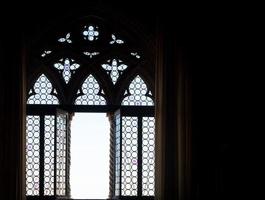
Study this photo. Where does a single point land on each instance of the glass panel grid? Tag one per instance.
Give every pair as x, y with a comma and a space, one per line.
43, 92
66, 67
139, 94
32, 155
90, 33
49, 155
129, 156
114, 68
117, 154
148, 156
92, 93
61, 156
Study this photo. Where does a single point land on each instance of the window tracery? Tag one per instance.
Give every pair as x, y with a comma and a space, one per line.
90, 93
43, 92
136, 55
116, 40
90, 54
114, 68
66, 39
66, 67
101, 61
45, 53
137, 94
90, 33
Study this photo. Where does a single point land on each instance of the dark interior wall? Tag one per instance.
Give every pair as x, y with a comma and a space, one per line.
208, 39
12, 126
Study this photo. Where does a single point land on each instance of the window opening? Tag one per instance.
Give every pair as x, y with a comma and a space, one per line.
96, 80
90, 141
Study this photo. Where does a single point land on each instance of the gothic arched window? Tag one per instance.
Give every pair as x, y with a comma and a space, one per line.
90, 66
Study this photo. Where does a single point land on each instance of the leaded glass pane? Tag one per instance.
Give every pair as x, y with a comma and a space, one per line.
45, 53
90, 33
114, 68
116, 40
92, 93
117, 154
137, 94
148, 156
61, 156
90, 54
66, 39
43, 92
32, 155
136, 55
49, 155
129, 172
66, 67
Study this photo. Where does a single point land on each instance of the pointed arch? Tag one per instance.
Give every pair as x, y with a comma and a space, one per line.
90, 93
137, 94
43, 92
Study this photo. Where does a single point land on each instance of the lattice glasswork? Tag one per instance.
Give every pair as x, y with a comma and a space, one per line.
66, 39
91, 93
90, 54
148, 156
115, 40
90, 33
42, 92
49, 155
136, 55
114, 68
129, 182
45, 53
61, 155
48, 162
137, 94
32, 155
117, 154
66, 67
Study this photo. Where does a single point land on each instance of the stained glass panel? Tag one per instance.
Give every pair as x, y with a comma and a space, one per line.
32, 155
148, 156
92, 93
114, 68
42, 92
137, 94
129, 170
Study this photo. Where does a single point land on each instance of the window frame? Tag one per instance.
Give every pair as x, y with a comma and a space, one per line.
126, 111
67, 92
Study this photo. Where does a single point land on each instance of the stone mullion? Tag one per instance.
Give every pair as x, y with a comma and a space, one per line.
112, 157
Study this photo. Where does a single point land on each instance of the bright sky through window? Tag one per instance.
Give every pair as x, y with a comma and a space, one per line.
89, 174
